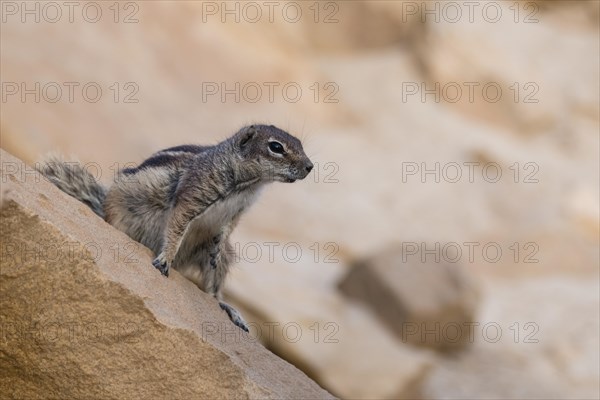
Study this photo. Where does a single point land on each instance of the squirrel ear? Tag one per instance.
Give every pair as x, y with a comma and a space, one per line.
247, 135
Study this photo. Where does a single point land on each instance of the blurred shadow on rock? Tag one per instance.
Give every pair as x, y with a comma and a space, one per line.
422, 299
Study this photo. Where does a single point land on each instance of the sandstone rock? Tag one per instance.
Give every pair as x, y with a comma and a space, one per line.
337, 342
424, 300
85, 315
529, 92
542, 253
533, 347
582, 205
575, 15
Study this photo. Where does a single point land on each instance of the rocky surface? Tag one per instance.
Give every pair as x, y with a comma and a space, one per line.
317, 328
537, 94
528, 344
420, 297
84, 314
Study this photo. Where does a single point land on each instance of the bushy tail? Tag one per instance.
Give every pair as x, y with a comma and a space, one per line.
76, 181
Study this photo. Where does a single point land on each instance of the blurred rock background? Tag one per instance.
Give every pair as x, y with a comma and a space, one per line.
385, 97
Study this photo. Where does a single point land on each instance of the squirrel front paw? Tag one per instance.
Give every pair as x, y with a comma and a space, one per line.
161, 264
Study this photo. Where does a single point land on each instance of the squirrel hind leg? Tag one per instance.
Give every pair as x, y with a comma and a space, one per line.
234, 316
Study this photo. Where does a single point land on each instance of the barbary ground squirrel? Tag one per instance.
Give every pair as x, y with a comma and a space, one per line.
183, 202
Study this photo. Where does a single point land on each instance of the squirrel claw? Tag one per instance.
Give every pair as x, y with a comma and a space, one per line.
161, 266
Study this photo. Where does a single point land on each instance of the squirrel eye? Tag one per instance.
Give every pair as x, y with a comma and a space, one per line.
276, 147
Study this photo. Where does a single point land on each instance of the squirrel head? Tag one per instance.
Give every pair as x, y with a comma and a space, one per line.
273, 154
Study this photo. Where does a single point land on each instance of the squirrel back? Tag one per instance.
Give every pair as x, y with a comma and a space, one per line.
76, 181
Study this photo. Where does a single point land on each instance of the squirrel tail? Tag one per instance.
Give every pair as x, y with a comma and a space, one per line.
76, 181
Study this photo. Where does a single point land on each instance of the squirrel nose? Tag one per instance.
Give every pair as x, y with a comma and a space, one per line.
309, 167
